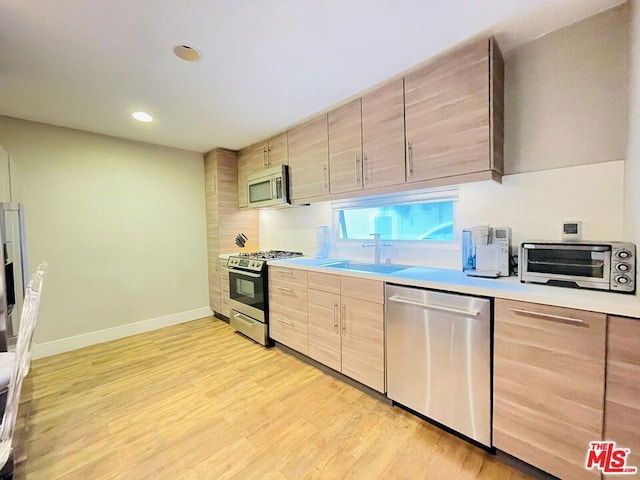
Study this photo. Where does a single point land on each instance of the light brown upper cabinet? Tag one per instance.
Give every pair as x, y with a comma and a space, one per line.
366, 141
309, 159
383, 151
276, 151
345, 148
453, 114
258, 157
250, 161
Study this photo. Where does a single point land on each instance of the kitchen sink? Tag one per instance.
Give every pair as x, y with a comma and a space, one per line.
366, 267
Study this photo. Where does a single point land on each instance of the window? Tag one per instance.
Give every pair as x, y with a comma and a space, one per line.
423, 217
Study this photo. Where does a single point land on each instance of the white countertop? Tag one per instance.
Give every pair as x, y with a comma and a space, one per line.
506, 287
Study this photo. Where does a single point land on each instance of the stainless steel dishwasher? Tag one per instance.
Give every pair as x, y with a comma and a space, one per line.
439, 357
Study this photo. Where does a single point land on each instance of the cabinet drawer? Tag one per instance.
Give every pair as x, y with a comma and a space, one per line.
325, 282
289, 327
288, 275
362, 289
548, 385
288, 295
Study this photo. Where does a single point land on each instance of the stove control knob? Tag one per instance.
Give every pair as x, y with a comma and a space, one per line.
623, 267
623, 279
623, 254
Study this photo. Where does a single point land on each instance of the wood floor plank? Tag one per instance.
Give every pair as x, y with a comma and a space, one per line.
198, 401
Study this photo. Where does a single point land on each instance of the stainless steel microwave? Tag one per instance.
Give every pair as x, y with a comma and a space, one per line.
599, 265
269, 188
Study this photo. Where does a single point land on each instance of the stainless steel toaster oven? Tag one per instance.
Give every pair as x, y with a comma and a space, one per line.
599, 265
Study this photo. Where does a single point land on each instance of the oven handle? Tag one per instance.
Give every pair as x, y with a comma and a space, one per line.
246, 274
555, 246
246, 320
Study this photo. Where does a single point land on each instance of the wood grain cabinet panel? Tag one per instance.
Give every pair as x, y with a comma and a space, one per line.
383, 152
345, 148
250, 161
548, 400
224, 221
309, 159
346, 326
288, 321
362, 326
324, 328
448, 114
622, 402
278, 150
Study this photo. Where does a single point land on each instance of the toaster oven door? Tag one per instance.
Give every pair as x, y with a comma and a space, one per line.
587, 266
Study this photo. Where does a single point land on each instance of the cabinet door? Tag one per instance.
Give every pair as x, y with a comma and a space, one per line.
278, 151
251, 160
345, 148
362, 325
447, 115
324, 328
288, 323
622, 403
309, 159
548, 385
383, 136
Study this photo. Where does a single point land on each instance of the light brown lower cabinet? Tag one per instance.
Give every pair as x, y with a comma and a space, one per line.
346, 326
288, 308
549, 379
224, 289
622, 403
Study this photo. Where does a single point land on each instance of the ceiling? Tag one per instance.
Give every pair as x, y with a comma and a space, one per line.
88, 64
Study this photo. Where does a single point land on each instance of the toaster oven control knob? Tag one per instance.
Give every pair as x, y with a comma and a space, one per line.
622, 279
623, 254
623, 267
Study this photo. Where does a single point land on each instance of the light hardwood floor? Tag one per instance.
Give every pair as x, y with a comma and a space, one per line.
197, 401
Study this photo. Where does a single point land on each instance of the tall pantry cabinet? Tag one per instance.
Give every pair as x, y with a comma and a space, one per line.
224, 219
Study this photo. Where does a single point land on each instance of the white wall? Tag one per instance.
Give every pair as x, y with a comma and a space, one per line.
632, 172
566, 96
5, 185
121, 223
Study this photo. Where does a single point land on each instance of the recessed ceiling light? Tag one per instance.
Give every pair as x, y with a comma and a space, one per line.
187, 53
142, 116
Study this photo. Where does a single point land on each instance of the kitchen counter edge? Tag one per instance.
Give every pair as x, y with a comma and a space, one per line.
508, 288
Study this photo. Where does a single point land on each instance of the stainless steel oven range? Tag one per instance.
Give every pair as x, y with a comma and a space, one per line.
248, 292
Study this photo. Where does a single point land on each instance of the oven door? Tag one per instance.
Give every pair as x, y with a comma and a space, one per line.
586, 266
246, 292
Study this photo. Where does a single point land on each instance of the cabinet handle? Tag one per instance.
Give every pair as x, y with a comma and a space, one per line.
344, 318
264, 157
355, 170
547, 315
286, 322
269, 156
365, 167
284, 272
410, 155
335, 316
324, 177
288, 290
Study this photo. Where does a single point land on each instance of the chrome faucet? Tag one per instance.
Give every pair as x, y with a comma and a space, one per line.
375, 243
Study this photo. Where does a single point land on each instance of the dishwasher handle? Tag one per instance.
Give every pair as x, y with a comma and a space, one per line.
437, 308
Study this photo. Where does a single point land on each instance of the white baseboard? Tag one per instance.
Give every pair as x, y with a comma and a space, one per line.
86, 339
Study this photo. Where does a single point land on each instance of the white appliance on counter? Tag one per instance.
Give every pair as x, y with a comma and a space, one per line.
439, 357
486, 251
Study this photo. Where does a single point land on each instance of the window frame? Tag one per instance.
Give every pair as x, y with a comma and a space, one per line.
427, 196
